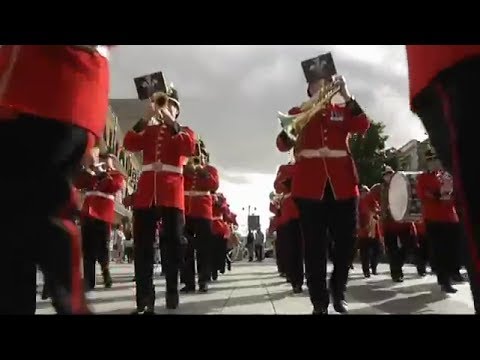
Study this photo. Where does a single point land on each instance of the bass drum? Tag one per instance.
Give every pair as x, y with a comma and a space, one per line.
403, 202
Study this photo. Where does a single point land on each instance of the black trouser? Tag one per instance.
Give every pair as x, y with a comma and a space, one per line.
219, 251
282, 263
163, 252
259, 252
448, 109
339, 217
423, 254
95, 241
33, 232
227, 258
398, 244
199, 235
129, 253
445, 249
369, 253
144, 227
294, 252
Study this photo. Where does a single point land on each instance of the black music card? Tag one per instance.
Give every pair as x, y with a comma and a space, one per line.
148, 85
320, 67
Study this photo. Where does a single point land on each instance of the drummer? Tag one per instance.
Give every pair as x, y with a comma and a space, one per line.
435, 189
399, 237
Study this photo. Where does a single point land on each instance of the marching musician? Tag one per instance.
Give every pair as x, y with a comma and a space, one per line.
220, 231
160, 193
229, 241
325, 184
398, 236
276, 225
435, 190
53, 101
98, 214
201, 179
369, 244
423, 249
290, 225
443, 83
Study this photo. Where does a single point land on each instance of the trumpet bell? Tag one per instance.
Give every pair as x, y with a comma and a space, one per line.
287, 122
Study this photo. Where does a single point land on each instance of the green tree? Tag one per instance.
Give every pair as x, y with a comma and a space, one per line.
370, 154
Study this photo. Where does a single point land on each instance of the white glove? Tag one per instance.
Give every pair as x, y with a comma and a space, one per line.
339, 80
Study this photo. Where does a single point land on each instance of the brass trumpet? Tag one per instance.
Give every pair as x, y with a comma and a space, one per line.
293, 125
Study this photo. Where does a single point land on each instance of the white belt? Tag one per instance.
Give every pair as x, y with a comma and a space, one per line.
217, 218
159, 167
324, 152
102, 50
197, 193
286, 196
100, 194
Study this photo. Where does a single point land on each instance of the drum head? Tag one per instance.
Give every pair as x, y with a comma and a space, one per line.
398, 196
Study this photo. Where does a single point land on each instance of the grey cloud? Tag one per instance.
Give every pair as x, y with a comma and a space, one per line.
231, 94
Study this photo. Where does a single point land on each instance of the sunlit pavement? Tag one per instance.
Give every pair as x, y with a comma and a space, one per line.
256, 288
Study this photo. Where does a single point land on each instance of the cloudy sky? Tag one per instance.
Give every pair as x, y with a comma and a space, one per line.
230, 96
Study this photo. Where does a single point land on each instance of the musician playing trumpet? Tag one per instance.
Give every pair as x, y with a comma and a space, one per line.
325, 183
201, 179
160, 194
100, 181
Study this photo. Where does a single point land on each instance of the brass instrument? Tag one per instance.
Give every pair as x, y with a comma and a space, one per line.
293, 125
197, 161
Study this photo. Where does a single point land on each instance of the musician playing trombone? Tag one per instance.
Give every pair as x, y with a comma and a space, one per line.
325, 183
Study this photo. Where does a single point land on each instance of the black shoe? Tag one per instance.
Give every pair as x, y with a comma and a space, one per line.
374, 272
398, 279
320, 310
449, 289
366, 275
222, 271
172, 300
229, 267
283, 275
107, 279
340, 306
187, 289
352, 267
45, 293
422, 273
214, 277
297, 289
203, 288
134, 280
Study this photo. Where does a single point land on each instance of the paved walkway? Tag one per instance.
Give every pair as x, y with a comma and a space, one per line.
253, 288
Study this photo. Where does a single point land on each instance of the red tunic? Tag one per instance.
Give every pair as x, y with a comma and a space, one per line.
288, 208
160, 145
198, 201
367, 207
328, 129
57, 82
99, 200
273, 225
428, 186
219, 226
425, 62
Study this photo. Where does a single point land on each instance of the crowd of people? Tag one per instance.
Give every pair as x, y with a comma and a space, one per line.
54, 100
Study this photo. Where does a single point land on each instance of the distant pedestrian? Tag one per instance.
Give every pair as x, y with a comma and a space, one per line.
259, 244
250, 246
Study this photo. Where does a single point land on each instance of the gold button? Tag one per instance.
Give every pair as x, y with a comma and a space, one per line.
325, 131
